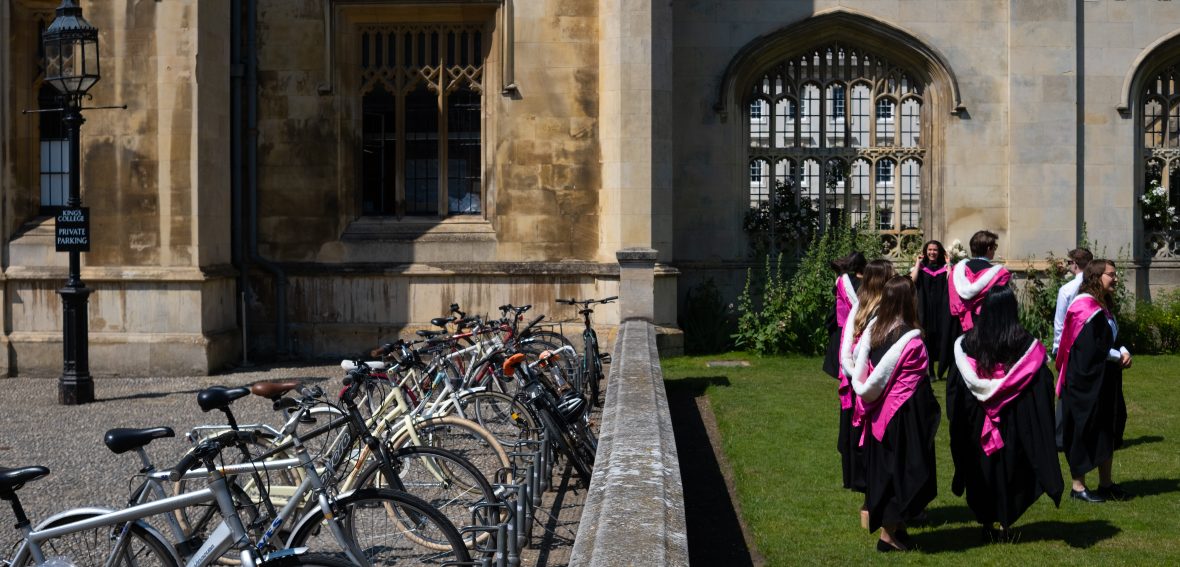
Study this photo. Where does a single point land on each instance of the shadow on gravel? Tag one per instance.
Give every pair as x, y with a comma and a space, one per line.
714, 529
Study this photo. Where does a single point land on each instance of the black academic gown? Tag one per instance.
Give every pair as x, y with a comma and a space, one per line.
1093, 411
934, 312
1000, 487
832, 355
900, 473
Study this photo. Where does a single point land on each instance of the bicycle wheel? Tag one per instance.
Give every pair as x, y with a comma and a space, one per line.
508, 418
308, 559
387, 526
594, 374
94, 547
463, 437
567, 446
444, 480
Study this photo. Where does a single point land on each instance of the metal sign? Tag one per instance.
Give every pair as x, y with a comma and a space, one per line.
73, 230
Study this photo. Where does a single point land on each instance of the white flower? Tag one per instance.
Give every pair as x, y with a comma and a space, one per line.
1158, 191
1157, 215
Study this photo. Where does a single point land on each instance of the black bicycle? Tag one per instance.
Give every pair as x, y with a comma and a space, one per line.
590, 371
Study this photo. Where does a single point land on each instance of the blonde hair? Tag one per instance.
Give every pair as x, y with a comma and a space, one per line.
872, 285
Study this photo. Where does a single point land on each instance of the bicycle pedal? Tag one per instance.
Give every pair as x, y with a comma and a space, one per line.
604, 357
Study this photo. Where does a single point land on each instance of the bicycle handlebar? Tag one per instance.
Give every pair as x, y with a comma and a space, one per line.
587, 302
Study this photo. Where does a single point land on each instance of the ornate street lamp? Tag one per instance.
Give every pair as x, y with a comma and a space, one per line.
71, 66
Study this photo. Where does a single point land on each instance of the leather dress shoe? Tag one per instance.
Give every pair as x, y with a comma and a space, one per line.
1086, 496
1113, 492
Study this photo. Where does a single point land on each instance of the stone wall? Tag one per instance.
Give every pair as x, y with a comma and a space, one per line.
155, 177
634, 508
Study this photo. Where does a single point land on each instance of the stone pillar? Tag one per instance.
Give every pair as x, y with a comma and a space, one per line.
1042, 129
5, 163
635, 125
637, 276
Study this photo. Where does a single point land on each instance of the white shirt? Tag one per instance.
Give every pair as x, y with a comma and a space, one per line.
1065, 296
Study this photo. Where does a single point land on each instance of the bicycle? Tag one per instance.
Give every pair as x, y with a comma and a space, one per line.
564, 417
447, 480
591, 368
96, 536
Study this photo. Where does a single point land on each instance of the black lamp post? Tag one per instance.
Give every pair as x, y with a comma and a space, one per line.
71, 66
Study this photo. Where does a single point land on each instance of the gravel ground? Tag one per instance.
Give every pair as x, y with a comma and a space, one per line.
35, 430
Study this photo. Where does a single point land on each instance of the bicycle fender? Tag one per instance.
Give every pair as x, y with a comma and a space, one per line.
22, 551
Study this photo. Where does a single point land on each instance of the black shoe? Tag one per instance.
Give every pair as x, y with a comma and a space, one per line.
887, 547
1086, 496
1113, 492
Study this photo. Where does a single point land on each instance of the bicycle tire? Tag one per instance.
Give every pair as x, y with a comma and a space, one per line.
443, 479
506, 416
306, 559
464, 437
91, 548
378, 520
595, 374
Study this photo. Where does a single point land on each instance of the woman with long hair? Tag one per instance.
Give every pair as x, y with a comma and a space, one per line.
934, 311
876, 273
1090, 366
849, 271
898, 416
1000, 411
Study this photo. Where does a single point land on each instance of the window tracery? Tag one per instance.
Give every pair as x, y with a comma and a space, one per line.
853, 122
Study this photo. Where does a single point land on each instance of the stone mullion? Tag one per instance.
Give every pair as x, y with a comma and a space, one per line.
443, 115
404, 82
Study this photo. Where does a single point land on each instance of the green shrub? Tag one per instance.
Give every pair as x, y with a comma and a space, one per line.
1038, 298
778, 314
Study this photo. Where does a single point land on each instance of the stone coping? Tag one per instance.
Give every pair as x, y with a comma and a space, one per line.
634, 509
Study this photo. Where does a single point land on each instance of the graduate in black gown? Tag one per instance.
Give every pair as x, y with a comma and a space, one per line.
930, 273
849, 271
898, 414
876, 273
999, 407
1090, 383
970, 280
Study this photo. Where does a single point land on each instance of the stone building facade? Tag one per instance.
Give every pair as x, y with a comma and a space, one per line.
319, 175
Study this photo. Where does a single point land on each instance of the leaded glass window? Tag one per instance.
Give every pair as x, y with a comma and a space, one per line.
853, 122
421, 102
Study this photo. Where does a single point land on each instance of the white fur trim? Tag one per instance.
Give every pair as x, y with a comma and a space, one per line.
870, 387
849, 292
982, 389
965, 288
846, 338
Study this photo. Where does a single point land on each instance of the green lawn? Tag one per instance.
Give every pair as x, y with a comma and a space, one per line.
778, 421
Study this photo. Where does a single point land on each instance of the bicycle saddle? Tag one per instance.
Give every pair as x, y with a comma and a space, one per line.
272, 390
12, 479
440, 321
219, 397
122, 439
430, 334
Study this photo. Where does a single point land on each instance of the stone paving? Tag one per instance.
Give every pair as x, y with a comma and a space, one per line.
34, 429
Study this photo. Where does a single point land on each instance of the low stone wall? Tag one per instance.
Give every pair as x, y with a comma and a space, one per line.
634, 511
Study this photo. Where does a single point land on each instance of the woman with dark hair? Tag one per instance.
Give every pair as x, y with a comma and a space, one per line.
876, 273
849, 270
999, 399
934, 310
1090, 383
898, 416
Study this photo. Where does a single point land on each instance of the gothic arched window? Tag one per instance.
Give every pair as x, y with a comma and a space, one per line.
853, 121
1161, 154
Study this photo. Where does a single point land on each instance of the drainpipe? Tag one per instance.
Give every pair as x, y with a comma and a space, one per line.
280, 278
235, 164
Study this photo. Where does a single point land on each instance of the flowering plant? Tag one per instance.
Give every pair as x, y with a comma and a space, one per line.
957, 252
1158, 216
